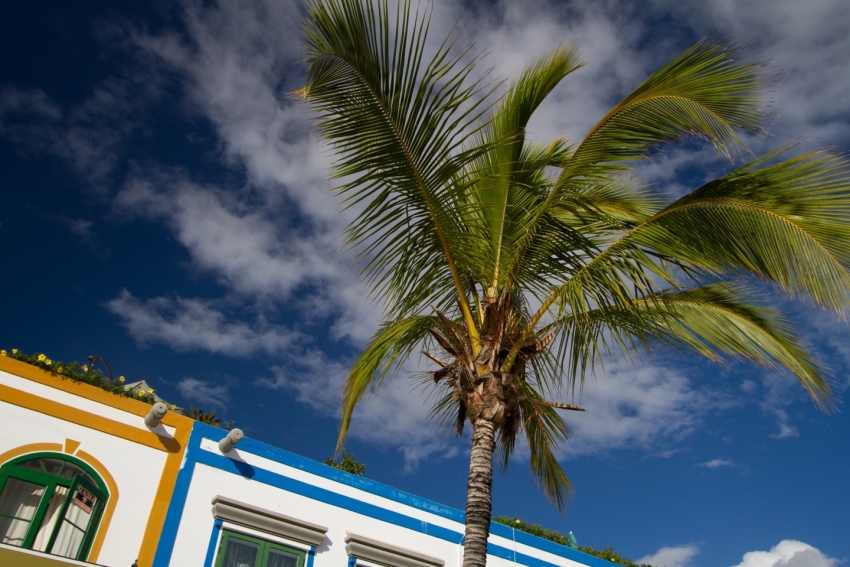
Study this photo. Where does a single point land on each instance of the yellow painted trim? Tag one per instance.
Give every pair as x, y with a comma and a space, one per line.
90, 420
71, 446
88, 391
112, 486
156, 519
175, 447
94, 552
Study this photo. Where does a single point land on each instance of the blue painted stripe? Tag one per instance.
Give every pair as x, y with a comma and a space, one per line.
194, 454
178, 502
554, 548
311, 555
213, 541
352, 561
580, 557
358, 506
296, 461
322, 495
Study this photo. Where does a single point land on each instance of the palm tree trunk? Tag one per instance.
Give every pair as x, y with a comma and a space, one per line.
479, 496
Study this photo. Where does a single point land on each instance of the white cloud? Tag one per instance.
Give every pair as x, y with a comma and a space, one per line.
717, 463
631, 408
193, 324
255, 252
272, 241
396, 416
679, 556
209, 395
788, 553
88, 135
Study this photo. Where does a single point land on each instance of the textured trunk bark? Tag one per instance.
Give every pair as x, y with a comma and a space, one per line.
479, 496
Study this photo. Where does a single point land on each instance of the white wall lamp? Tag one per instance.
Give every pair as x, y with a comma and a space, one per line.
233, 438
154, 417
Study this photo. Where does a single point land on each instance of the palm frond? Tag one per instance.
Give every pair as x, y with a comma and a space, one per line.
787, 223
397, 122
713, 320
392, 344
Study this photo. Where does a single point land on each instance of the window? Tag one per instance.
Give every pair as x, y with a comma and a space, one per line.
382, 553
239, 550
50, 502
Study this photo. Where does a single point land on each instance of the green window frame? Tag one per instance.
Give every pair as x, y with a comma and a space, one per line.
235, 550
62, 499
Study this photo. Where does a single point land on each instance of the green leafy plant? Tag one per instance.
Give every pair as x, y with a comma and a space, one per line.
94, 377
209, 418
347, 463
608, 553
81, 373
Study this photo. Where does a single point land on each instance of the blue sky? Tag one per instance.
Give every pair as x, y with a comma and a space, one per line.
166, 206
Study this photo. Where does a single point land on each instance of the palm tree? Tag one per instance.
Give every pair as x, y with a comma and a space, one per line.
517, 280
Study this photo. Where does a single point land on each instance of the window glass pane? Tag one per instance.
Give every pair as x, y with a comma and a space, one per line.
75, 523
71, 470
51, 516
240, 553
68, 540
278, 558
32, 464
18, 504
56, 467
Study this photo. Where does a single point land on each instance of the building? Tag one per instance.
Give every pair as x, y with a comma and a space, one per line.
84, 480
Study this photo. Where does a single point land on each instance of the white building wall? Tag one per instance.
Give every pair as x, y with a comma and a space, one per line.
196, 524
136, 468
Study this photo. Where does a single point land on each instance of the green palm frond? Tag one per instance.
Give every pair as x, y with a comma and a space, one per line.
391, 345
545, 430
535, 260
398, 123
787, 223
709, 91
713, 320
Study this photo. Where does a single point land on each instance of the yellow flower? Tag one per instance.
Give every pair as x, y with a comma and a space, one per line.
517, 521
14, 351
150, 390
41, 358
85, 368
121, 379
60, 369
2, 353
172, 407
48, 362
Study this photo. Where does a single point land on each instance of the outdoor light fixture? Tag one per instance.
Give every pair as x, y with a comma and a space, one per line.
233, 438
154, 417
93, 360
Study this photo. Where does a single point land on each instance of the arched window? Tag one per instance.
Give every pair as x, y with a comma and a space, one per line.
50, 502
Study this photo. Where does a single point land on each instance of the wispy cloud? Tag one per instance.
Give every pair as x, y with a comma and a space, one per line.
717, 463
270, 238
193, 324
204, 393
636, 408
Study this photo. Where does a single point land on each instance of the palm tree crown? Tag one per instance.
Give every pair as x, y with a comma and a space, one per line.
518, 265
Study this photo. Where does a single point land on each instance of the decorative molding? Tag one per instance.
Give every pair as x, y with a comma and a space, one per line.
135, 407
71, 446
267, 521
382, 553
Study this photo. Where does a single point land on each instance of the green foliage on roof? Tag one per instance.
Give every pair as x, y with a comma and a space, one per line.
347, 463
94, 377
536, 529
82, 373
